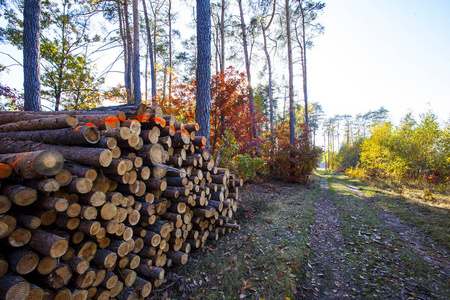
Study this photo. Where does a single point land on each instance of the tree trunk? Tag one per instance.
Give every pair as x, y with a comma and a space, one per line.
150, 51
247, 66
203, 94
222, 37
31, 40
303, 62
291, 76
129, 54
136, 68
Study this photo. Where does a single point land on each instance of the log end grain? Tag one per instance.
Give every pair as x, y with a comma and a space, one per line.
5, 171
13, 287
5, 204
105, 158
49, 162
46, 265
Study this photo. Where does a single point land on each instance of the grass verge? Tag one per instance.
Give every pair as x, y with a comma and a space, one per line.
382, 263
427, 216
263, 259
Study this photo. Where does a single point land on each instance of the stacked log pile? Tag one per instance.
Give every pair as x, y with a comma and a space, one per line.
99, 204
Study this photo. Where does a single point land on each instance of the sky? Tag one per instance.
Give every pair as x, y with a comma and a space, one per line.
391, 53
373, 53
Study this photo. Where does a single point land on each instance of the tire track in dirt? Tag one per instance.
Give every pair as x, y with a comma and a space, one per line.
327, 274
435, 256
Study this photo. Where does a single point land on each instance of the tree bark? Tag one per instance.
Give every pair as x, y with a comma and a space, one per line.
56, 122
136, 68
96, 157
13, 287
203, 93
291, 76
31, 41
79, 136
247, 64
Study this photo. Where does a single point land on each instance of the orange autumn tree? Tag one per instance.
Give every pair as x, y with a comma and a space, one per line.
230, 108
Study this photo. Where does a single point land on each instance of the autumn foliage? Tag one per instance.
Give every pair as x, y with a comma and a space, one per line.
287, 162
233, 139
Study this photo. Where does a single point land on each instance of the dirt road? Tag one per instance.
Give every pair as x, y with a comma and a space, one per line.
332, 239
360, 250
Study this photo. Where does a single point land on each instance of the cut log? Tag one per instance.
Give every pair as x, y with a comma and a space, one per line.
96, 157
101, 184
80, 171
67, 223
151, 272
142, 286
115, 290
150, 136
117, 167
52, 203
100, 275
60, 277
88, 212
78, 265
13, 287
78, 136
161, 227
55, 122
152, 238
5, 170
27, 221
178, 257
79, 294
103, 121
62, 294
110, 280
156, 184
46, 265
105, 258
35, 293
79, 186
20, 195
85, 280
86, 250
119, 247
5, 204
94, 198
23, 261
181, 138
7, 225
19, 237
90, 227
73, 210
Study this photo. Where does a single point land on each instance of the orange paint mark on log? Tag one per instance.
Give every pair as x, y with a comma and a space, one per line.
172, 128
78, 127
159, 121
90, 124
111, 120
143, 118
5, 171
18, 159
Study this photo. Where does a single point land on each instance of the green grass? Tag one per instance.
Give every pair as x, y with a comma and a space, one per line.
263, 259
428, 216
382, 263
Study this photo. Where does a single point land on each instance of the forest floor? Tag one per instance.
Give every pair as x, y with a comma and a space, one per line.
335, 238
